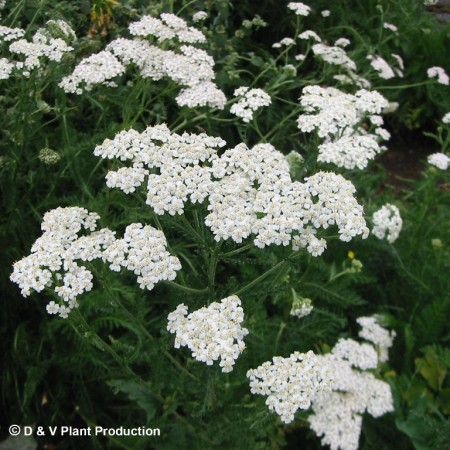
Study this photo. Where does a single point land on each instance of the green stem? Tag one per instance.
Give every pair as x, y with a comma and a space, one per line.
405, 86
277, 340
185, 288
212, 270
237, 251
280, 265
402, 265
142, 328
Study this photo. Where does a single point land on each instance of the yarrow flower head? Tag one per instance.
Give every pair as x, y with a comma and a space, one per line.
6, 68
300, 9
301, 306
337, 386
54, 256
284, 42
199, 16
168, 27
290, 383
97, 69
188, 66
10, 34
387, 222
379, 336
212, 332
446, 118
337, 413
334, 55
143, 251
439, 160
439, 73
338, 118
248, 191
49, 156
381, 66
47, 44
250, 101
309, 34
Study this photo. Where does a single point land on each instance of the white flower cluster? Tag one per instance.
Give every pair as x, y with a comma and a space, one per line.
53, 257
177, 157
390, 26
337, 117
169, 27
48, 156
290, 383
250, 101
439, 160
334, 55
446, 118
439, 73
10, 34
387, 222
189, 66
301, 307
309, 34
286, 42
249, 191
199, 16
382, 67
5, 69
336, 385
350, 151
342, 42
211, 332
300, 9
62, 28
373, 332
143, 251
362, 356
46, 44
337, 413
99, 68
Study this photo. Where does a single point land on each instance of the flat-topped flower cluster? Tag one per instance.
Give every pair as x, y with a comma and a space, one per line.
290, 383
211, 332
387, 223
250, 100
248, 191
188, 66
338, 386
339, 118
55, 256
49, 43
